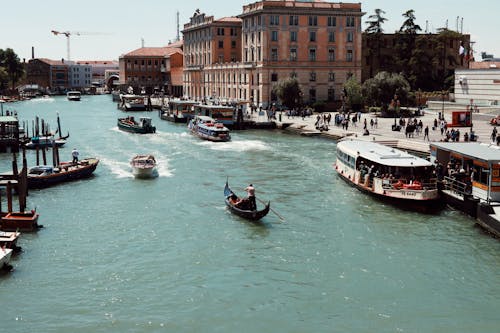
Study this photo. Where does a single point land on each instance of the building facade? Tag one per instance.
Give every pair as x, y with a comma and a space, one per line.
79, 76
99, 68
151, 68
319, 43
479, 85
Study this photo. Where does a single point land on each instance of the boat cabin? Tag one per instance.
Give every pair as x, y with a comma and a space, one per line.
477, 164
182, 108
73, 95
221, 113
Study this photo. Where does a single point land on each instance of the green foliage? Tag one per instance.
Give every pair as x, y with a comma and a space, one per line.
10, 63
381, 90
319, 106
289, 93
354, 98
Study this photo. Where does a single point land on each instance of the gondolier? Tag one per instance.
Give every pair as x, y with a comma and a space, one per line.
75, 154
251, 196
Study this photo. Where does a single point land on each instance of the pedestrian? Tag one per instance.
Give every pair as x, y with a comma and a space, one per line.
426, 133
75, 154
494, 134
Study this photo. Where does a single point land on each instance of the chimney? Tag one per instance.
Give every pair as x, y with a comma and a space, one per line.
32, 52
62, 60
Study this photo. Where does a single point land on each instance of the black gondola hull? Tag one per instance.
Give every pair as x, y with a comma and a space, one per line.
253, 215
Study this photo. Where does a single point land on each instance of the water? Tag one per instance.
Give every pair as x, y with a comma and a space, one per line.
164, 255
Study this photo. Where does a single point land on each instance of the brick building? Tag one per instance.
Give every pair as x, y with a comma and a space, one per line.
50, 75
317, 42
153, 68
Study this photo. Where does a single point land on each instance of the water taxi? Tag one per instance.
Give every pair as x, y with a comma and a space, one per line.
179, 111
144, 166
74, 96
208, 129
388, 173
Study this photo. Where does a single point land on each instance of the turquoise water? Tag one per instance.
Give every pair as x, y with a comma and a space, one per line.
164, 255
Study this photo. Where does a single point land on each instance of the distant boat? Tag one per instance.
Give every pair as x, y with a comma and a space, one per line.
132, 103
240, 207
208, 129
74, 95
144, 166
45, 175
178, 111
44, 142
143, 126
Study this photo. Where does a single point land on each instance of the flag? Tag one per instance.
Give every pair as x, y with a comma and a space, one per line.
461, 50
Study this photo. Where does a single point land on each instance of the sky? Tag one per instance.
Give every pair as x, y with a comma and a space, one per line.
104, 30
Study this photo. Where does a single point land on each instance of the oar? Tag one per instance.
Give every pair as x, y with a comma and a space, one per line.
272, 210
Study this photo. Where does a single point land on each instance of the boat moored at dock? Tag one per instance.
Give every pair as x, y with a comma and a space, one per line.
8, 239
5, 255
208, 129
220, 113
179, 111
130, 102
22, 221
388, 173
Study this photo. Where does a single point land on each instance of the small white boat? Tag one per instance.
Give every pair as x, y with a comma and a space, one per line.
74, 95
132, 103
144, 166
8, 239
5, 255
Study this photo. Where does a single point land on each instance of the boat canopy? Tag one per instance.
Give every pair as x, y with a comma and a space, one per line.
380, 154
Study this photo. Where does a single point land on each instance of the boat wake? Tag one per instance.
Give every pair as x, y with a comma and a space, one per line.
239, 146
120, 169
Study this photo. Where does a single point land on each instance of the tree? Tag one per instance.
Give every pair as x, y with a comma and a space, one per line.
354, 96
9, 60
374, 33
380, 90
289, 93
405, 45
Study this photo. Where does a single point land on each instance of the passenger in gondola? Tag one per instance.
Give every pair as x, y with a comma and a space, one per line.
251, 196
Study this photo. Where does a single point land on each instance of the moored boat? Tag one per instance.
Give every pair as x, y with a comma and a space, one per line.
73, 95
130, 102
5, 255
208, 129
45, 175
44, 142
240, 206
144, 166
22, 221
178, 111
8, 239
143, 126
388, 173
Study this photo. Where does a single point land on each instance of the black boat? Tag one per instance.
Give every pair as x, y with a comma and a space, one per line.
237, 206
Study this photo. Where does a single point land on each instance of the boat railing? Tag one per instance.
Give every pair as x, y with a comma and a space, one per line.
454, 185
400, 184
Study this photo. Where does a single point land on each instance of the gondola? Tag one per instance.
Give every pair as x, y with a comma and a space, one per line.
231, 200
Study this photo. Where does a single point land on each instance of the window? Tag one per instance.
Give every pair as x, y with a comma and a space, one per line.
349, 55
220, 31
350, 21
350, 36
274, 20
294, 20
274, 36
312, 54
331, 76
312, 76
293, 54
331, 36
293, 36
274, 77
312, 36
221, 58
332, 21
234, 32
221, 44
233, 44
312, 95
313, 21
331, 54
331, 94
274, 54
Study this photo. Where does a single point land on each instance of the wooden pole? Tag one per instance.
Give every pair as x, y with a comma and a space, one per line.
15, 171
37, 155
44, 156
9, 197
23, 184
59, 125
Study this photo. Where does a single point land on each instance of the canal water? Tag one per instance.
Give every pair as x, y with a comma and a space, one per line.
119, 254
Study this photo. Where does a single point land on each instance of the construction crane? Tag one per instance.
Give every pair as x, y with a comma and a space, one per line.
71, 33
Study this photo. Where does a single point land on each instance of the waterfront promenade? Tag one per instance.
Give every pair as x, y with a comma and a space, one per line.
383, 131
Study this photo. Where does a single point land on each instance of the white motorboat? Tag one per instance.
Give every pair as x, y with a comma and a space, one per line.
5, 255
74, 95
144, 166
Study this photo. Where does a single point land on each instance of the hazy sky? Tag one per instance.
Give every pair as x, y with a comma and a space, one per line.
110, 28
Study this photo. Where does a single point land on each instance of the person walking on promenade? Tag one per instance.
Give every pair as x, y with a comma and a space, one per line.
426, 133
494, 134
75, 154
251, 196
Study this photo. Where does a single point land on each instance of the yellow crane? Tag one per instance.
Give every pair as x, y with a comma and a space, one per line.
71, 33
